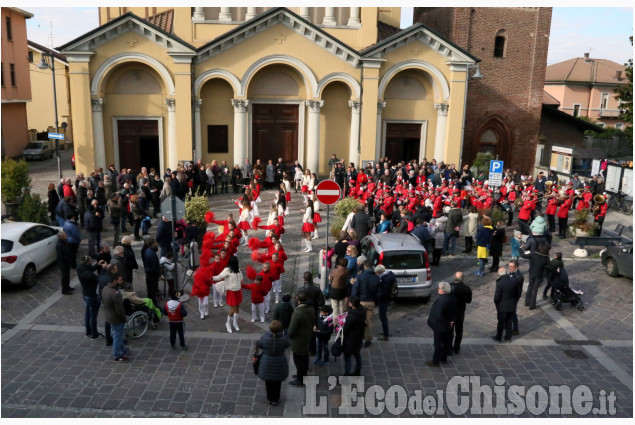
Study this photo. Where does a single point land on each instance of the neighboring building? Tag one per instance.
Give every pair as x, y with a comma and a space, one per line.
566, 133
156, 86
40, 111
585, 87
504, 107
16, 87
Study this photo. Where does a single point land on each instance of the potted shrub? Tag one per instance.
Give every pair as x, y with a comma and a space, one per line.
581, 225
33, 209
15, 176
343, 208
195, 209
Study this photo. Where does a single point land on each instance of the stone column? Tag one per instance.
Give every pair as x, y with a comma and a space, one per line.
380, 111
353, 20
225, 15
240, 130
251, 13
304, 13
197, 129
353, 146
439, 141
198, 16
99, 147
313, 135
172, 147
329, 17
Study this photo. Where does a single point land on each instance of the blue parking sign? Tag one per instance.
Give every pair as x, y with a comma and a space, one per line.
495, 166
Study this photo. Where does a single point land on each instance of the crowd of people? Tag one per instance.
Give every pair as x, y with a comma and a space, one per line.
434, 202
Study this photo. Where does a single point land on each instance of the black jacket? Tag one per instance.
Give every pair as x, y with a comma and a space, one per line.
496, 242
366, 286
283, 313
273, 363
354, 330
361, 224
507, 294
323, 331
164, 233
463, 295
386, 282
443, 312
315, 298
88, 279
64, 254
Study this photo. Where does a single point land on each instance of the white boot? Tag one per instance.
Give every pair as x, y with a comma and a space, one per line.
310, 244
228, 324
306, 242
315, 234
236, 322
277, 297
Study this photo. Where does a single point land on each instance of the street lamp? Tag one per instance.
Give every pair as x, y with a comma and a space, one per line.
50, 64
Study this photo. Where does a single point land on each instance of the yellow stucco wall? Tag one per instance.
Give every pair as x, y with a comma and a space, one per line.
217, 109
40, 110
335, 125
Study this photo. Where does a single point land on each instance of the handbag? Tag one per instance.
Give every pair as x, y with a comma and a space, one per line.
256, 361
327, 291
337, 348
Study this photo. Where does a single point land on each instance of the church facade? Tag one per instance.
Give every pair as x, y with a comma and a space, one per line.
158, 86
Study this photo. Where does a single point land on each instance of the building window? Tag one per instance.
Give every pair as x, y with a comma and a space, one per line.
9, 31
604, 103
500, 44
30, 56
619, 126
217, 140
12, 73
576, 109
600, 124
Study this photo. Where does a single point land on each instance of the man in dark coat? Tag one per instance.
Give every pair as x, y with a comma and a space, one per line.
361, 222
315, 298
151, 266
463, 295
538, 259
515, 273
455, 218
116, 317
506, 297
273, 368
365, 287
164, 235
387, 280
300, 335
107, 276
64, 260
353, 331
441, 319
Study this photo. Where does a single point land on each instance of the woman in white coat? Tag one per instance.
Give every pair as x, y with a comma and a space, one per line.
470, 224
232, 278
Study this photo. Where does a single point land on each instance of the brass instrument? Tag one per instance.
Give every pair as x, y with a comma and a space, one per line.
599, 199
518, 202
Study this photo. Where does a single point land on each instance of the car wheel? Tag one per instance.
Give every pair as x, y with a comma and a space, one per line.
28, 278
611, 267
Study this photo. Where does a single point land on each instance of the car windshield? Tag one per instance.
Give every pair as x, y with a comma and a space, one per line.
34, 145
7, 246
401, 260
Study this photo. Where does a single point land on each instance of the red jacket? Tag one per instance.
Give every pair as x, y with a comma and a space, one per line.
177, 314
525, 210
552, 206
257, 292
563, 211
603, 209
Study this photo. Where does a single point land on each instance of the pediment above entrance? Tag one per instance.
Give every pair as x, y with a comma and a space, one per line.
270, 19
131, 24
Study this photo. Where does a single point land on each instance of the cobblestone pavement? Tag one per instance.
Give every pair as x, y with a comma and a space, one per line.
49, 369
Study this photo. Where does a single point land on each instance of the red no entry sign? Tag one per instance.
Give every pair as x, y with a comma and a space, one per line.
328, 192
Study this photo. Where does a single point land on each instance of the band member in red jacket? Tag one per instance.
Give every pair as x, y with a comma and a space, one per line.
552, 207
563, 216
600, 212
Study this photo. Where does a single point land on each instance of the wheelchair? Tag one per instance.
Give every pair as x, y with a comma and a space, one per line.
139, 318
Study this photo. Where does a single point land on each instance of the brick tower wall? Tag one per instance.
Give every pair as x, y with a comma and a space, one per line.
508, 99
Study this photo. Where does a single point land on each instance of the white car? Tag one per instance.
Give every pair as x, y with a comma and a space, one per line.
27, 248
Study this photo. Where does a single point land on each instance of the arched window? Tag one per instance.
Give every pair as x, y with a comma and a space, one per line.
500, 44
489, 142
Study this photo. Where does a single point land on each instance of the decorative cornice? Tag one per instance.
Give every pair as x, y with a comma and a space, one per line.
240, 105
355, 106
79, 56
171, 104
314, 105
97, 103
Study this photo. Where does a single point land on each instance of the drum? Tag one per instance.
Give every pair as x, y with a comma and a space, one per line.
506, 207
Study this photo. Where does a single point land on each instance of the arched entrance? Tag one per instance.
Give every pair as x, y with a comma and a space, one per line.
276, 94
493, 137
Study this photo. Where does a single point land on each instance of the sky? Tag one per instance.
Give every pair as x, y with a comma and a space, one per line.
601, 31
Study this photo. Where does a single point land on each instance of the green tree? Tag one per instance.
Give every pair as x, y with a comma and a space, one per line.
15, 176
625, 96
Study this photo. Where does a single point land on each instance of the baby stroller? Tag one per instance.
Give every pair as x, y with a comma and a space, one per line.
562, 293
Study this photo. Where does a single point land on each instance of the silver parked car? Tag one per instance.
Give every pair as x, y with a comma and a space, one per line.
41, 149
403, 255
